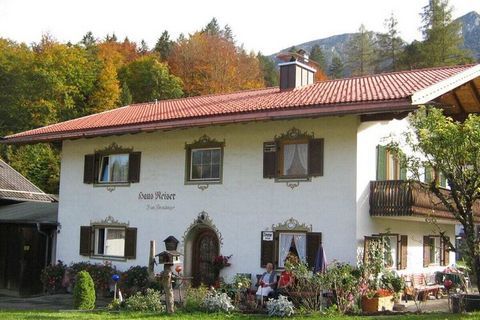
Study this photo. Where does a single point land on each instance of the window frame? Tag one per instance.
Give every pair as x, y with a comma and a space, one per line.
440, 254
208, 180
281, 158
203, 143
280, 264
95, 240
101, 164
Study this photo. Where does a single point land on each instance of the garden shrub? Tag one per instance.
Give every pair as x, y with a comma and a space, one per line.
146, 302
52, 278
136, 279
281, 307
194, 298
306, 281
217, 302
101, 274
84, 292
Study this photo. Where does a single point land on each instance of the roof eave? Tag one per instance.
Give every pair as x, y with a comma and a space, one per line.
399, 105
436, 90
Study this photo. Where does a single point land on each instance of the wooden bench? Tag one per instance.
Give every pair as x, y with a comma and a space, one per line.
418, 288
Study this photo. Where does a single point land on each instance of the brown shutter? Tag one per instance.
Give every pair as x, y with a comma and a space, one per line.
89, 169
134, 167
445, 252
269, 159
402, 264
86, 240
314, 240
426, 251
267, 251
315, 157
130, 243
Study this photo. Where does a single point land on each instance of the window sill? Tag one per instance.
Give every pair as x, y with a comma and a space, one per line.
111, 184
110, 258
293, 179
202, 182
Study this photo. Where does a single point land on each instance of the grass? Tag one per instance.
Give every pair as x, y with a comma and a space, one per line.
45, 315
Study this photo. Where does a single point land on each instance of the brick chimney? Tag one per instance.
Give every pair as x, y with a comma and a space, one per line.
295, 71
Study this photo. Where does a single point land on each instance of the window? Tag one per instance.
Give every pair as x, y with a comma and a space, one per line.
204, 159
293, 155
205, 164
114, 168
108, 240
278, 244
112, 165
393, 249
389, 166
435, 251
291, 243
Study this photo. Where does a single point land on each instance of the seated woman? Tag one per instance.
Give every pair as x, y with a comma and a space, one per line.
286, 277
266, 283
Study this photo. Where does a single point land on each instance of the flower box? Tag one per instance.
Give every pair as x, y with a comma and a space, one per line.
372, 305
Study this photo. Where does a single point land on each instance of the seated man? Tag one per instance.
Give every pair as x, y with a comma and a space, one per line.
266, 283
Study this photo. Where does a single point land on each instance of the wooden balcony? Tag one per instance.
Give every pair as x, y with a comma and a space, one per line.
398, 198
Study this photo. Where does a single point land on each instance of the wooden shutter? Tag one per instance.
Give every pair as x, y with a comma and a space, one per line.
442, 180
402, 263
130, 243
315, 157
314, 240
426, 251
89, 169
381, 163
269, 159
86, 248
134, 167
445, 252
428, 174
267, 250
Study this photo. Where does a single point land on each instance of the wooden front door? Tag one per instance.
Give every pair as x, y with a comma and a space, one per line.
205, 248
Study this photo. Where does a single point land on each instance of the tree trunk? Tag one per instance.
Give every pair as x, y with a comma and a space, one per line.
167, 286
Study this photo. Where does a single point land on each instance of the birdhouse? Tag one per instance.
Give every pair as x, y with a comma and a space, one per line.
171, 255
171, 243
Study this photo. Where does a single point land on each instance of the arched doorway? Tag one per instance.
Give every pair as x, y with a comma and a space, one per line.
205, 247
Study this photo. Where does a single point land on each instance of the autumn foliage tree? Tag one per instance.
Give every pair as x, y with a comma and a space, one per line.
209, 62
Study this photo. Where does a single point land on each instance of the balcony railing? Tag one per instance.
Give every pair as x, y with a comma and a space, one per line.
398, 198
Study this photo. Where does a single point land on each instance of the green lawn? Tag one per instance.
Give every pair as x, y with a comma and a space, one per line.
44, 315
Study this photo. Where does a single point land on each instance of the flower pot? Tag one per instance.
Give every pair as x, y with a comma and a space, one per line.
372, 305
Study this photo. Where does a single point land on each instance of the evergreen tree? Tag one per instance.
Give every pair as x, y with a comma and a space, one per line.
111, 38
163, 46
360, 52
143, 49
336, 69
270, 73
442, 37
88, 40
125, 95
212, 28
411, 57
390, 46
316, 54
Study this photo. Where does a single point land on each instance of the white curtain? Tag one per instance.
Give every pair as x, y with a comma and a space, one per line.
288, 155
119, 165
303, 155
301, 243
285, 243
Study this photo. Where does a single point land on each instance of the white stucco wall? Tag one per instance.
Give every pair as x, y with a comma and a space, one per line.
371, 134
241, 207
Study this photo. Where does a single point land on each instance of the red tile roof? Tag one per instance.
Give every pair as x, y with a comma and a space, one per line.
367, 94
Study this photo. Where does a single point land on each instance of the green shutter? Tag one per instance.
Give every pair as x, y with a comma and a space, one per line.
442, 180
381, 163
402, 158
428, 174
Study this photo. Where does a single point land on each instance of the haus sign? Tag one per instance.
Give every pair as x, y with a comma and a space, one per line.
158, 200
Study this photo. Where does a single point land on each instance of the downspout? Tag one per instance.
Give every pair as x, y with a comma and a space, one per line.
46, 243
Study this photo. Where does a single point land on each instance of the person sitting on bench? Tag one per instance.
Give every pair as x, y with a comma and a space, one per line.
266, 283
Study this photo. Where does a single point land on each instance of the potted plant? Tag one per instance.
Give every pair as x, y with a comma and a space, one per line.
218, 263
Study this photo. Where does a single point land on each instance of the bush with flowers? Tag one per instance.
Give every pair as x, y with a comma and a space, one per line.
220, 262
52, 278
101, 274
